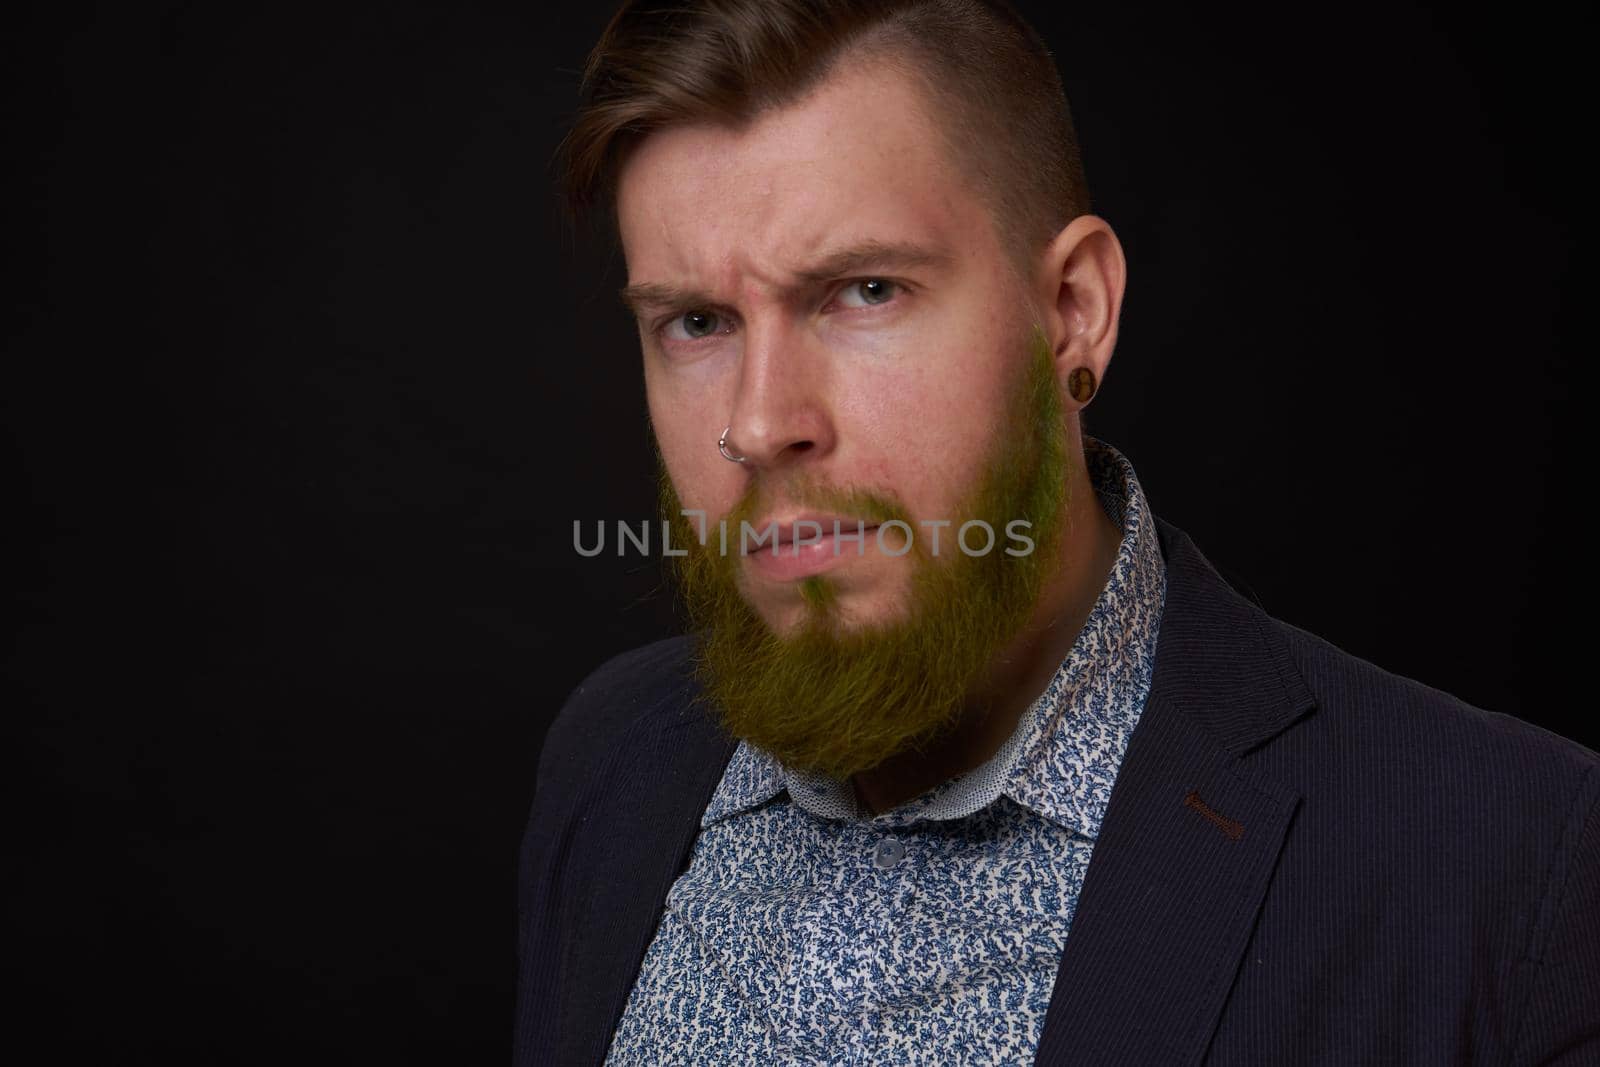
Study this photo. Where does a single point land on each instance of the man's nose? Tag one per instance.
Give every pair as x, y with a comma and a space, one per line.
780, 413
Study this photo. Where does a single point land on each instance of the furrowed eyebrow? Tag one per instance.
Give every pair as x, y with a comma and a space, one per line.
868, 257
649, 296
864, 258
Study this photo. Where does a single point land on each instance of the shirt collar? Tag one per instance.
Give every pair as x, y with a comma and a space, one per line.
1073, 736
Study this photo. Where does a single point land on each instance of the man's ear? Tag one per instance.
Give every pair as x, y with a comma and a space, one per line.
1081, 279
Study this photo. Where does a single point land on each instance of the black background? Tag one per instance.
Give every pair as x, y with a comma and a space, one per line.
306, 382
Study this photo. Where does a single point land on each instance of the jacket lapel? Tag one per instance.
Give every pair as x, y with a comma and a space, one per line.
639, 841
1189, 840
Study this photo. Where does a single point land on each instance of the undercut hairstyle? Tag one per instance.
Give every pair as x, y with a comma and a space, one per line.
991, 85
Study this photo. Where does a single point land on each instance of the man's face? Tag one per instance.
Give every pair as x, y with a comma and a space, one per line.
826, 284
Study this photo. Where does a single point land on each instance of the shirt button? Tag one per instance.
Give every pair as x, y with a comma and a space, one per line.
888, 853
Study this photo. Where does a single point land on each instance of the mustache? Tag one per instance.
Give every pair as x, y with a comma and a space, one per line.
802, 498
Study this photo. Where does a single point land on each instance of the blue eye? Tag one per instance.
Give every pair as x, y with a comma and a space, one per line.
693, 325
869, 291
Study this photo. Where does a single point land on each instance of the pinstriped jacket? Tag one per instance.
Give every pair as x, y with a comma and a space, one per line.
1305, 860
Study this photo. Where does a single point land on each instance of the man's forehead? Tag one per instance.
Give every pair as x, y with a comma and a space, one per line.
857, 161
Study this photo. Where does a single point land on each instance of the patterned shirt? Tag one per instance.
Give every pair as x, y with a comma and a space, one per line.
806, 931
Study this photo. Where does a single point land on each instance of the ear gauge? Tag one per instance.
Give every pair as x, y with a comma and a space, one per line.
1081, 384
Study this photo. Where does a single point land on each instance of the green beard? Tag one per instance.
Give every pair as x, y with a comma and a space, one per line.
836, 701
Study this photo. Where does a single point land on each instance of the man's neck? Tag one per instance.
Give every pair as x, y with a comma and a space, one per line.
1089, 545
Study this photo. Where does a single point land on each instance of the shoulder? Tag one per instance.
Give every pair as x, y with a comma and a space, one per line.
605, 708
1412, 771
1462, 816
1362, 713
1367, 707
622, 689
1399, 763
1464, 840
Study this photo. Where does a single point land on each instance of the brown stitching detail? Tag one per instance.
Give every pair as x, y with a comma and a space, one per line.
1226, 825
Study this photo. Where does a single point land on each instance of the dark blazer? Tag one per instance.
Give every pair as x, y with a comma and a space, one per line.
1305, 859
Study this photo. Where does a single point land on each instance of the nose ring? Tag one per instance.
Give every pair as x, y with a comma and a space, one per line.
722, 446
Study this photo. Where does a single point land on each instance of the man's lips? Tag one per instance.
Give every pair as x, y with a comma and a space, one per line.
809, 527
802, 549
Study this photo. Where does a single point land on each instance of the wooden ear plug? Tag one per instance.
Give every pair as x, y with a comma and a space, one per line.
1080, 383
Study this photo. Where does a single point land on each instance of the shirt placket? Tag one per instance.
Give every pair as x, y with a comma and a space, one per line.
892, 858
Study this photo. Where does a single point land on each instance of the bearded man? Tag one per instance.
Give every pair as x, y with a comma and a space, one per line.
969, 758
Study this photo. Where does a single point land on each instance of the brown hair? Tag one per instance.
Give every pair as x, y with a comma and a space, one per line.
989, 76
